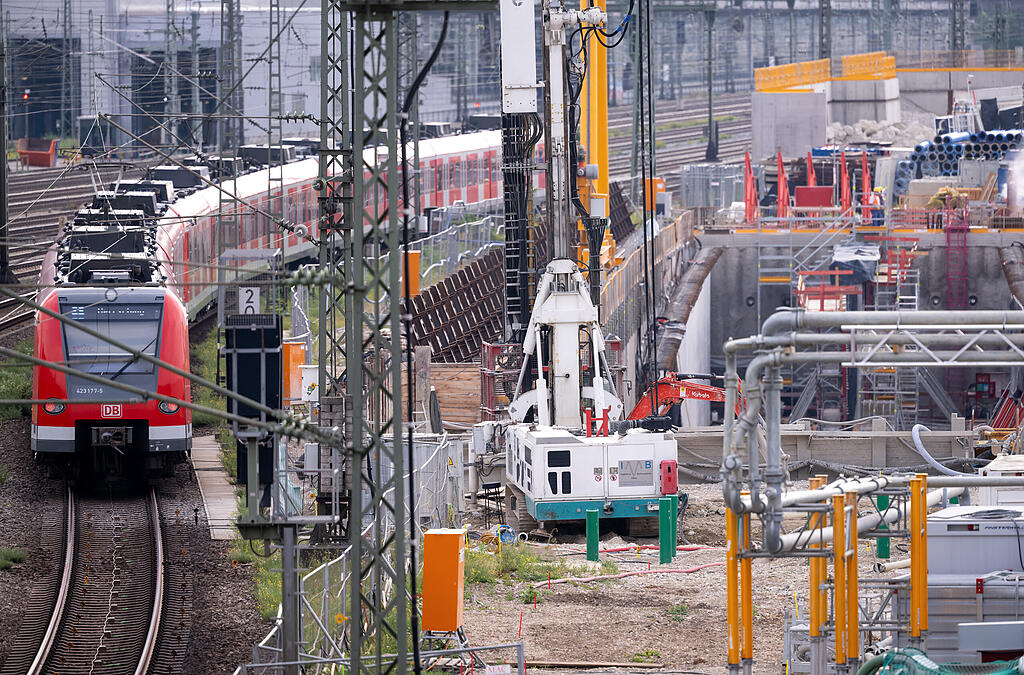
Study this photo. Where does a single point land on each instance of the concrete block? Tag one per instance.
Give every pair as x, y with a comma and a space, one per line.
790, 122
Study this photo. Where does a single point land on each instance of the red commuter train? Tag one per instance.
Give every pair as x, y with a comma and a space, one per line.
140, 263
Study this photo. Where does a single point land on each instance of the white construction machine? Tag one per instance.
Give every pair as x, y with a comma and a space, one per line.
566, 447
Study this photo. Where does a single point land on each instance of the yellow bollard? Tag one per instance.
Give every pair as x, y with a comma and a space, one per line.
852, 601
815, 605
732, 589
916, 555
839, 576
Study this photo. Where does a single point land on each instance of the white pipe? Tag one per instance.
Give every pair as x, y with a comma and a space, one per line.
915, 433
892, 565
864, 523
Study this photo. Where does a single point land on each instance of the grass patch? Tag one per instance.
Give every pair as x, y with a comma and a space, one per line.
522, 563
203, 358
267, 573
646, 656
530, 595
4, 473
228, 454
16, 383
5, 564
15, 555
678, 612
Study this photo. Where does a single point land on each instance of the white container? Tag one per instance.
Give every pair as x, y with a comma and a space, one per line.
961, 542
1008, 496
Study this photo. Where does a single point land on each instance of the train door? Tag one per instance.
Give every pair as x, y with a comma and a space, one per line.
472, 178
454, 181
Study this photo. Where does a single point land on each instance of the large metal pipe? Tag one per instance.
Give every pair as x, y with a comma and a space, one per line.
864, 523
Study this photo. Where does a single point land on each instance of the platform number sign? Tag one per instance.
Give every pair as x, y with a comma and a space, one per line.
249, 300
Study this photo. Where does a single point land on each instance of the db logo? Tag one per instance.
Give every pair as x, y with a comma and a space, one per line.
110, 410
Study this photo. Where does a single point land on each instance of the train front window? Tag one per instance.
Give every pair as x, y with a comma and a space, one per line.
135, 325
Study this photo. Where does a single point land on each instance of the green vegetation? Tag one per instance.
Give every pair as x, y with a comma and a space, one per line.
518, 563
4, 473
646, 656
16, 383
15, 555
678, 612
267, 575
228, 456
609, 567
203, 356
530, 595
9, 557
687, 124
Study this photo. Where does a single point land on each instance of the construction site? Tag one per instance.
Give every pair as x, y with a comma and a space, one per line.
491, 336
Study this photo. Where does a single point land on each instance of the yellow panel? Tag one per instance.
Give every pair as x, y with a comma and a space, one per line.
444, 564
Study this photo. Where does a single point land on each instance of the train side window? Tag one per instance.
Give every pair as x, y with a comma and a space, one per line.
566, 482
553, 482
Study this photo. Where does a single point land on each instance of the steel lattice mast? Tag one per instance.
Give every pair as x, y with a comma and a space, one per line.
356, 227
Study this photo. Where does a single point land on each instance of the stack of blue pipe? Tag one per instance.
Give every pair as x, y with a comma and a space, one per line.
941, 156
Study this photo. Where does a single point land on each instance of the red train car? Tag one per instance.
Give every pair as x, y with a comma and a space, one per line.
111, 432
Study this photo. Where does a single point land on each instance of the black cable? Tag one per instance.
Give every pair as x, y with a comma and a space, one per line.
410, 97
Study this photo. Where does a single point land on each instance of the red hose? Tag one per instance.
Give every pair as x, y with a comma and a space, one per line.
622, 575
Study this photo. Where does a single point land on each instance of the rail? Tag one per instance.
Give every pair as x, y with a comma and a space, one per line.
62, 595
66, 633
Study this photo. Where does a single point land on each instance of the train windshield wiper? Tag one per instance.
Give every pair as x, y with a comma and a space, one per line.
134, 359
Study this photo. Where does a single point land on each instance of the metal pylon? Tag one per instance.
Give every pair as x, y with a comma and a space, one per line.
824, 29
229, 73
170, 65
275, 110
362, 186
68, 87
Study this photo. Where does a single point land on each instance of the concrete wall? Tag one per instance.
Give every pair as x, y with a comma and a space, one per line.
854, 100
790, 122
931, 92
694, 355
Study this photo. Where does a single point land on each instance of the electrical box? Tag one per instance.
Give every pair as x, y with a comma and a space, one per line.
974, 540
294, 356
669, 477
1008, 495
444, 565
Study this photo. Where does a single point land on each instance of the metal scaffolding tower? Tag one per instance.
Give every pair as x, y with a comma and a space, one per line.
353, 322
67, 85
170, 66
231, 131
957, 30
824, 29
196, 127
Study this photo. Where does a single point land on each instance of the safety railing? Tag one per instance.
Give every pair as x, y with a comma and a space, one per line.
325, 591
870, 66
779, 78
1009, 59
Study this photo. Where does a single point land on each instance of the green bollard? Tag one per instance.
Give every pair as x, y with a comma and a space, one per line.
666, 547
882, 545
675, 525
593, 516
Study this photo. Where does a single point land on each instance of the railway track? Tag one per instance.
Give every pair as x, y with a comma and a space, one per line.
106, 614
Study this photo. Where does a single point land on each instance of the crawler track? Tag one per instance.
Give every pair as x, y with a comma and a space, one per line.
107, 612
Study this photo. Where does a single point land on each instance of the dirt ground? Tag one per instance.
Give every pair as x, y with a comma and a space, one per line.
673, 619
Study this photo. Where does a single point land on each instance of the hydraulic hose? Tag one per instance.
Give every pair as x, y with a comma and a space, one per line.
919, 446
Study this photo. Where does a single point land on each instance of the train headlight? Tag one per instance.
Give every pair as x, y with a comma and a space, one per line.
53, 407
168, 407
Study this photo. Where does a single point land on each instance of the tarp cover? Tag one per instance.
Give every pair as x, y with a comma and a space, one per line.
861, 259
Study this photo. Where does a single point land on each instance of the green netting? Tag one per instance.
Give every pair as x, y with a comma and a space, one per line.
912, 661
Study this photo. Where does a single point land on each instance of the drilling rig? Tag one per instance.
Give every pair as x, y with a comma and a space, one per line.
566, 448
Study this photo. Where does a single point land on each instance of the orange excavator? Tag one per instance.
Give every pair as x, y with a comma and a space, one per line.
674, 388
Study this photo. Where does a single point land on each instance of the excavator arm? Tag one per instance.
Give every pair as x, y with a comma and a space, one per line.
672, 389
